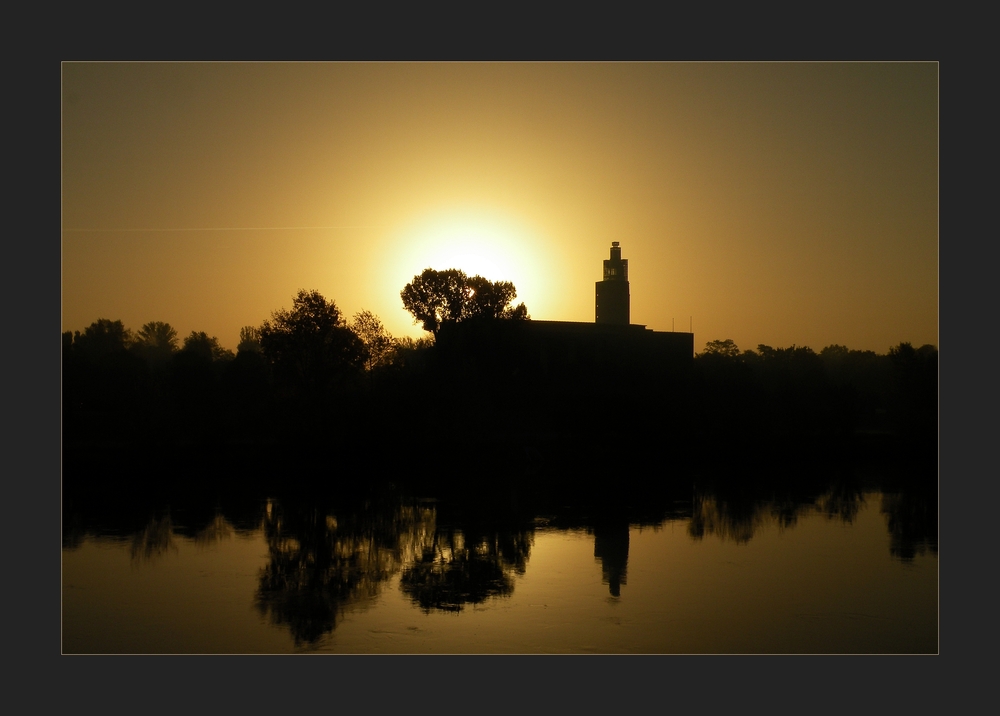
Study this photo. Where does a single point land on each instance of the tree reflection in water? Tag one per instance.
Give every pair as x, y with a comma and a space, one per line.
327, 557
160, 535
215, 531
910, 514
843, 501
153, 541
912, 521
466, 567
324, 562
738, 518
735, 520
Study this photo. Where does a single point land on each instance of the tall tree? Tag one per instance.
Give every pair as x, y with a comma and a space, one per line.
436, 297
726, 348
310, 347
379, 343
439, 297
249, 340
156, 342
491, 299
104, 337
206, 347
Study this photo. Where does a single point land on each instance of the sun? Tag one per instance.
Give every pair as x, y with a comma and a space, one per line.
487, 243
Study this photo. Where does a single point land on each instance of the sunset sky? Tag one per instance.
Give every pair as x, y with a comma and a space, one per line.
777, 203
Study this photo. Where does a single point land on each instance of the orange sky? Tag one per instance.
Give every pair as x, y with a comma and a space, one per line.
777, 203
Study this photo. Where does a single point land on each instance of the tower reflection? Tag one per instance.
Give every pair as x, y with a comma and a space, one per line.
611, 547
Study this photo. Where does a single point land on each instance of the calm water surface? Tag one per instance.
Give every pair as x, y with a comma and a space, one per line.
834, 574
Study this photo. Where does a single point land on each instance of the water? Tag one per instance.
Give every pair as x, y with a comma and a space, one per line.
842, 571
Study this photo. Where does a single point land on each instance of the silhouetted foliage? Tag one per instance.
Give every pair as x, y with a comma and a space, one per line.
103, 338
310, 347
379, 343
104, 384
726, 349
915, 383
410, 351
491, 299
795, 391
249, 340
203, 347
436, 298
483, 384
248, 385
156, 343
196, 384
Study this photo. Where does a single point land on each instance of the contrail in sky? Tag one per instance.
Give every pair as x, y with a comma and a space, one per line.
226, 228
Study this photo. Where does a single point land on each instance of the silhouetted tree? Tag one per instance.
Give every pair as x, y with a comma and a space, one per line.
249, 340
379, 343
915, 388
834, 353
247, 380
104, 385
436, 297
195, 377
726, 348
102, 338
206, 347
491, 299
156, 342
409, 352
311, 347
67, 342
439, 297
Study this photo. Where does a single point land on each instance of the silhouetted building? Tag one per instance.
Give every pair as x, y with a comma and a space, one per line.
585, 353
612, 298
558, 346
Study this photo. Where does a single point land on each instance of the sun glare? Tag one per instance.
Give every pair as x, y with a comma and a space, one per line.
490, 245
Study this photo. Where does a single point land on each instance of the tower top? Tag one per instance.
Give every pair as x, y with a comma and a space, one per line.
612, 293
617, 267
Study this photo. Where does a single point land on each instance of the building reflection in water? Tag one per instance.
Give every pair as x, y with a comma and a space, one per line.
611, 548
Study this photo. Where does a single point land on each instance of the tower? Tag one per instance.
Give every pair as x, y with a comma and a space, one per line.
612, 300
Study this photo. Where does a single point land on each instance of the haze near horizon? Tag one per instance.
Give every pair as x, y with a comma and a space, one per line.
777, 203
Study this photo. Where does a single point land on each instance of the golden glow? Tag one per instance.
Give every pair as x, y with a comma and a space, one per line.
477, 241
775, 203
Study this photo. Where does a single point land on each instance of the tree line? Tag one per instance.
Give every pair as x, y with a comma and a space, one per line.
295, 372
836, 390
308, 375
